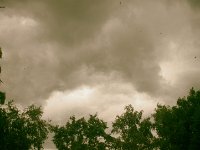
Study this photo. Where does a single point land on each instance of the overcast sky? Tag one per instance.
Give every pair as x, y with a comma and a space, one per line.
86, 56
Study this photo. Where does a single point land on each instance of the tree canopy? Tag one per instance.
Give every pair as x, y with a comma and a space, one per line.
132, 131
82, 134
178, 127
22, 130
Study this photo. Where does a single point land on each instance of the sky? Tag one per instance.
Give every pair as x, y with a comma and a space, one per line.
79, 57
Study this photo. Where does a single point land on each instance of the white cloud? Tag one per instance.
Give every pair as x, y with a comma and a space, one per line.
108, 100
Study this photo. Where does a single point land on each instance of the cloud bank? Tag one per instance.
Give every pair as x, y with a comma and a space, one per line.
119, 53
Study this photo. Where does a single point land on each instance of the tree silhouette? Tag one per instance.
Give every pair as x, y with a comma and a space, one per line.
82, 134
132, 132
178, 127
22, 130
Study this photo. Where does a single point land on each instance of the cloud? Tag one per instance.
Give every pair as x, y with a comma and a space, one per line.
59, 46
106, 100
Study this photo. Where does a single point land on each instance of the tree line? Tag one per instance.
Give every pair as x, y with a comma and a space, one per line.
167, 128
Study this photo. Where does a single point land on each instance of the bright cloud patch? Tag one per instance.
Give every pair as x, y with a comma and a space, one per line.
106, 100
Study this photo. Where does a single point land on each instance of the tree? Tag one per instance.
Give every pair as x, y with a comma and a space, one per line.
132, 132
35, 127
21, 130
82, 134
178, 127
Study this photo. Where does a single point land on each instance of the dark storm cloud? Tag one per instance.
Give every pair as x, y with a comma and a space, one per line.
194, 3
51, 45
67, 23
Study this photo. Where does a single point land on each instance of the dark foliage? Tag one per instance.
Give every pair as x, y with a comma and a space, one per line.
82, 134
21, 131
132, 132
178, 127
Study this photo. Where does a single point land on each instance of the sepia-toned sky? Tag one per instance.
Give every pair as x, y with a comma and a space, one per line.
76, 57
